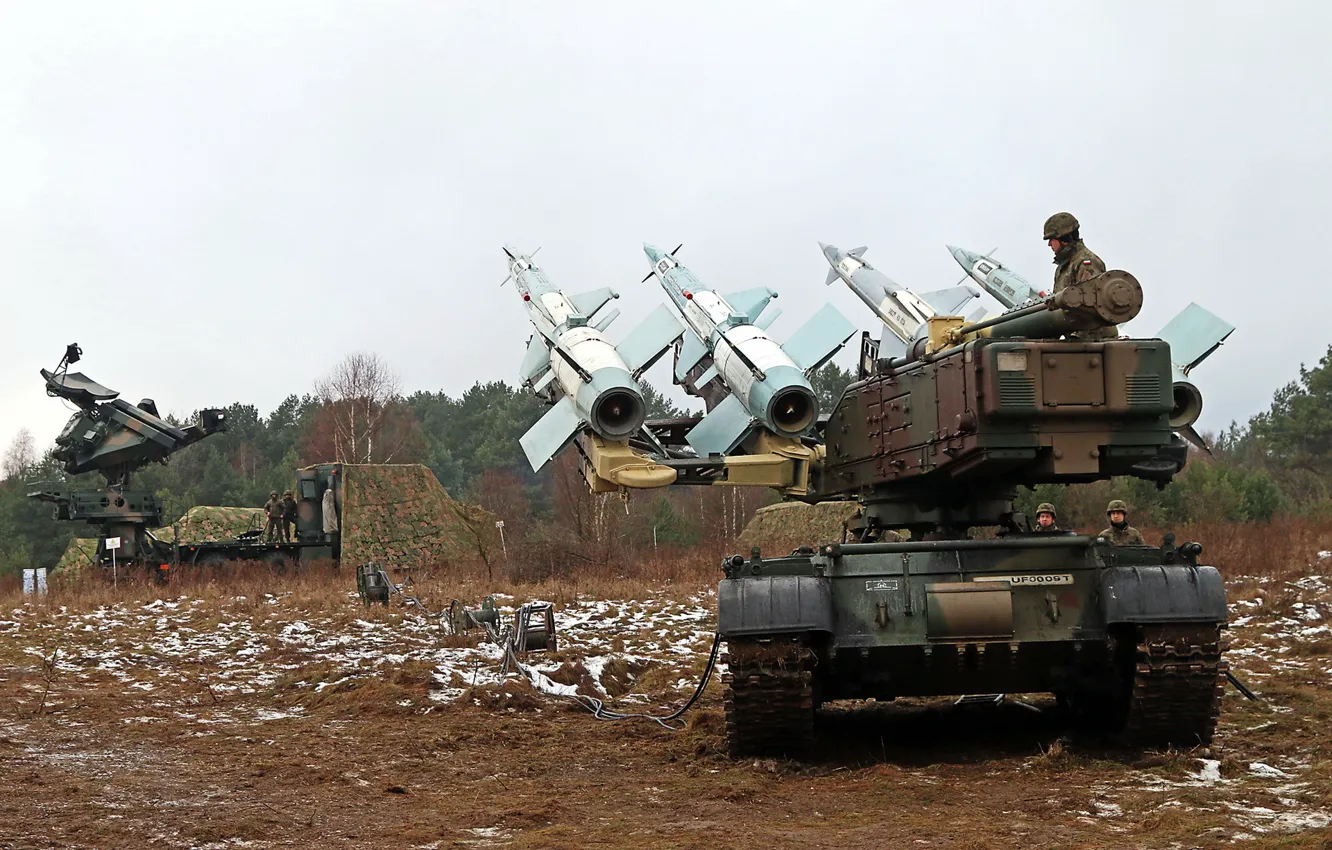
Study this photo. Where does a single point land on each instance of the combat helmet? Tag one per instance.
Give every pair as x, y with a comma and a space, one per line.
1116, 505
1059, 225
1046, 508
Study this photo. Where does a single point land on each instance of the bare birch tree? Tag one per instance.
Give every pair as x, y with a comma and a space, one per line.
361, 396
21, 455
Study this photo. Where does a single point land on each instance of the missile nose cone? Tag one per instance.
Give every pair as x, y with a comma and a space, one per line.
965, 258
653, 253
831, 252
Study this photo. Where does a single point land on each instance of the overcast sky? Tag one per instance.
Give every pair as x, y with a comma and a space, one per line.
219, 201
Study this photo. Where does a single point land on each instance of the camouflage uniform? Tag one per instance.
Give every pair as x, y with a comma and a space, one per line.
273, 508
288, 515
1126, 536
1074, 263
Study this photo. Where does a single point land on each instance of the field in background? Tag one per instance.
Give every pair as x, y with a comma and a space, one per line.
259, 710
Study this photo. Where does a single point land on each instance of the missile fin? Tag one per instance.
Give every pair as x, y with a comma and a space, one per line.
607, 319
890, 346
649, 340
551, 433
750, 301
858, 252
949, 302
722, 430
691, 352
1188, 433
832, 278
1193, 335
706, 376
769, 316
588, 303
536, 358
819, 339
544, 381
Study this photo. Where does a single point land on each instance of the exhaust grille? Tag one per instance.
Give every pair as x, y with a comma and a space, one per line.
1016, 389
1143, 390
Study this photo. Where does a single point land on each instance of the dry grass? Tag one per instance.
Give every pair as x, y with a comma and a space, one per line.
322, 587
1285, 549
276, 710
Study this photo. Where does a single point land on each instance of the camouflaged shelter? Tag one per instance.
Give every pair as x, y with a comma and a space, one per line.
400, 515
780, 528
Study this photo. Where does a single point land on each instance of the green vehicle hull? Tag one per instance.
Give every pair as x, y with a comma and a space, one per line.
1129, 638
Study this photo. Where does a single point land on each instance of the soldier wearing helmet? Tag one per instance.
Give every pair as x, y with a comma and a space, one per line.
273, 509
1046, 518
1074, 261
1120, 533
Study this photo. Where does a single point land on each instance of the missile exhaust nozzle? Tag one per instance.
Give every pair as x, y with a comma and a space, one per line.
617, 414
793, 410
1186, 405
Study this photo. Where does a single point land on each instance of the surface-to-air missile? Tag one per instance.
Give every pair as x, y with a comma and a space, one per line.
1008, 288
110, 436
589, 383
1193, 334
903, 313
768, 382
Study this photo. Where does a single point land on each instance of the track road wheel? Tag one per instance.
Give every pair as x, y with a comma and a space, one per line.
769, 697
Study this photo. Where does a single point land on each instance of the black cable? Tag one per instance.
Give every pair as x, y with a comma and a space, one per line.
595, 706
1230, 677
598, 707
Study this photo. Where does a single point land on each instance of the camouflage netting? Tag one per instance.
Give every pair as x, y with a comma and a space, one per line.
206, 522
777, 529
400, 515
78, 554
200, 523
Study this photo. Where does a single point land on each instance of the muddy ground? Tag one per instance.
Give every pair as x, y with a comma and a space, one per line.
299, 719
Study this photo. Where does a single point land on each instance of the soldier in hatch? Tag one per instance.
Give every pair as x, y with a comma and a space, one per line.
1046, 518
273, 509
1074, 262
1120, 533
288, 515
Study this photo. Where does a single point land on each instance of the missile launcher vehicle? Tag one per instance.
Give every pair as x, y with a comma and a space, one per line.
937, 441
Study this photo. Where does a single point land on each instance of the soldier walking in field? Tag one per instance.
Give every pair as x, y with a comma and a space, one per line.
1046, 518
1120, 533
1074, 262
273, 509
288, 515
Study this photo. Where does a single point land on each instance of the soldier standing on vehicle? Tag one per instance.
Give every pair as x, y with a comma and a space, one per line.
273, 508
1120, 533
288, 515
1074, 262
1046, 518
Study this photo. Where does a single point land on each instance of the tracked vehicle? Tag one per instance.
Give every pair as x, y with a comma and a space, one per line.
937, 442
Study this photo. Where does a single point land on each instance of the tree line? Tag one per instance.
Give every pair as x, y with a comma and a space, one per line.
1278, 463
